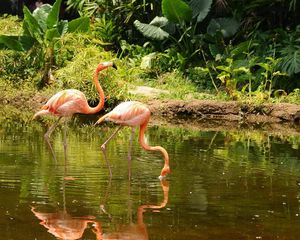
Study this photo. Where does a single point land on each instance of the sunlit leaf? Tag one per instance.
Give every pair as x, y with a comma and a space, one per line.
31, 26
81, 24
41, 14
53, 16
159, 21
151, 31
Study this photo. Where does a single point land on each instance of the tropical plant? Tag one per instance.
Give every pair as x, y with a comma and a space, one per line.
106, 32
41, 30
289, 50
181, 24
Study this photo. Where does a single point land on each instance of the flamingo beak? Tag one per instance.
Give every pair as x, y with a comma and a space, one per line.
96, 123
114, 66
100, 120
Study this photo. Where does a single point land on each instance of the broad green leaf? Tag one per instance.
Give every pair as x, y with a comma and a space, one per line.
215, 49
241, 69
151, 31
147, 61
31, 26
62, 27
81, 24
265, 66
240, 48
159, 21
176, 11
224, 68
41, 15
17, 43
53, 16
26, 42
200, 8
51, 34
290, 60
11, 42
223, 76
227, 26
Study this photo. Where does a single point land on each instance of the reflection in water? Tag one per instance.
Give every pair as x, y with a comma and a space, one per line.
225, 185
63, 225
139, 231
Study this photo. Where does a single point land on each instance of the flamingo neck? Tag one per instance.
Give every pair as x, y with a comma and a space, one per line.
100, 105
142, 208
155, 148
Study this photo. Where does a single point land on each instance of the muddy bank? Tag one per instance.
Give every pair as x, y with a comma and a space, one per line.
204, 114
227, 111
281, 118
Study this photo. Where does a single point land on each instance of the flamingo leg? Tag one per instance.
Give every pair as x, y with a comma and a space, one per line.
129, 153
107, 163
103, 146
47, 137
50, 130
51, 149
65, 139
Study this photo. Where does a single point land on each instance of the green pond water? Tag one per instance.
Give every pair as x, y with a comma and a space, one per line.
241, 184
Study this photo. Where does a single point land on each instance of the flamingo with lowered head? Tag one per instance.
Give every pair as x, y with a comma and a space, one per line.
133, 113
68, 102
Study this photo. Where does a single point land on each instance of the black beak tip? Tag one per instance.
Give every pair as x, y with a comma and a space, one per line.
114, 66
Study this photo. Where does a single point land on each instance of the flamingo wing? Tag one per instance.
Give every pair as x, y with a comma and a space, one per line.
66, 103
130, 113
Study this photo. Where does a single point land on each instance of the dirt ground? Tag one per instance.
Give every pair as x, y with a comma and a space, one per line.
281, 118
231, 110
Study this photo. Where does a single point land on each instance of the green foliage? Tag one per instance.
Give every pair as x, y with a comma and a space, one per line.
41, 30
154, 29
187, 43
200, 9
176, 11
106, 32
289, 50
120, 14
79, 73
226, 26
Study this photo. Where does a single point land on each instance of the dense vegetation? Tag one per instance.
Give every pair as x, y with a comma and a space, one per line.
231, 49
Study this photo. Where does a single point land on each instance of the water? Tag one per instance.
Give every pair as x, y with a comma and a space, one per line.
224, 184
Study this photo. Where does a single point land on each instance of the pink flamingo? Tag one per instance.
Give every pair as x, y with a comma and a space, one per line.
67, 102
133, 113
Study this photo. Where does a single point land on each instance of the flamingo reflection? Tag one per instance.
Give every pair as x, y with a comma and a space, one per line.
62, 225
139, 231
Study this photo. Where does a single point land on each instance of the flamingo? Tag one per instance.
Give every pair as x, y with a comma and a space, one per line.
133, 114
68, 102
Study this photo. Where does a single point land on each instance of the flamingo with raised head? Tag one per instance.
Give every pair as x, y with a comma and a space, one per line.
133, 114
68, 102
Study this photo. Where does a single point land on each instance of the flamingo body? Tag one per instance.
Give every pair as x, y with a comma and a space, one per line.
65, 103
68, 102
133, 113
130, 113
